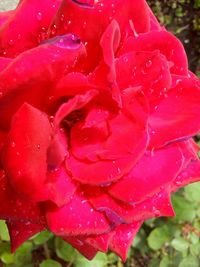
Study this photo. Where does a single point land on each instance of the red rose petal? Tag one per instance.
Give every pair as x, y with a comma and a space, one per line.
79, 243
154, 23
123, 238
69, 221
147, 69
25, 152
21, 231
152, 169
4, 62
100, 242
166, 43
70, 85
175, 116
83, 25
76, 103
14, 208
119, 212
189, 174
61, 186
96, 138
99, 173
22, 32
5, 16
34, 72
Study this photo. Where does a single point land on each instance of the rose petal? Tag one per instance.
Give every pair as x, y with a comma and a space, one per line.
5, 16
119, 212
190, 174
31, 75
147, 69
152, 169
25, 152
69, 221
123, 238
79, 243
166, 43
22, 32
103, 12
176, 115
61, 186
15, 208
21, 231
102, 172
100, 242
96, 138
76, 103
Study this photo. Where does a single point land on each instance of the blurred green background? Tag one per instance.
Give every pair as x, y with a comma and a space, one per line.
162, 242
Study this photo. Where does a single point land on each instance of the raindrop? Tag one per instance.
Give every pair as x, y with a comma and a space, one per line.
13, 144
157, 213
38, 147
54, 29
19, 173
148, 64
11, 42
39, 16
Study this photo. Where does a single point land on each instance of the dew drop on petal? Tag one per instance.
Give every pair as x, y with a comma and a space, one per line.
39, 16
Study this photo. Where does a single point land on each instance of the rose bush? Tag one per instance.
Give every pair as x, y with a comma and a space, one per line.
98, 110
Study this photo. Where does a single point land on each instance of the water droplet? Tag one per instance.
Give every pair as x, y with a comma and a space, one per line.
11, 42
39, 16
13, 144
157, 213
54, 29
19, 173
62, 17
38, 147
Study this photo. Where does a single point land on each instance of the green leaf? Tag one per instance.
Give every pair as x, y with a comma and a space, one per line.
64, 250
99, 261
158, 237
180, 244
50, 263
190, 261
4, 235
184, 209
42, 237
165, 262
7, 258
23, 254
192, 192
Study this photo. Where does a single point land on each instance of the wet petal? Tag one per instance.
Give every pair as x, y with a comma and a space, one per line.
21, 231
152, 170
150, 70
25, 152
22, 32
103, 12
123, 237
69, 221
176, 115
15, 208
79, 243
32, 74
119, 212
166, 43
102, 172
61, 186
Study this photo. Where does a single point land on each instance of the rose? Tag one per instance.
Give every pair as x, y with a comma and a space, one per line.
97, 115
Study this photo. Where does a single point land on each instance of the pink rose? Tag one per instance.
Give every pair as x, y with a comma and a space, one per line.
98, 110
